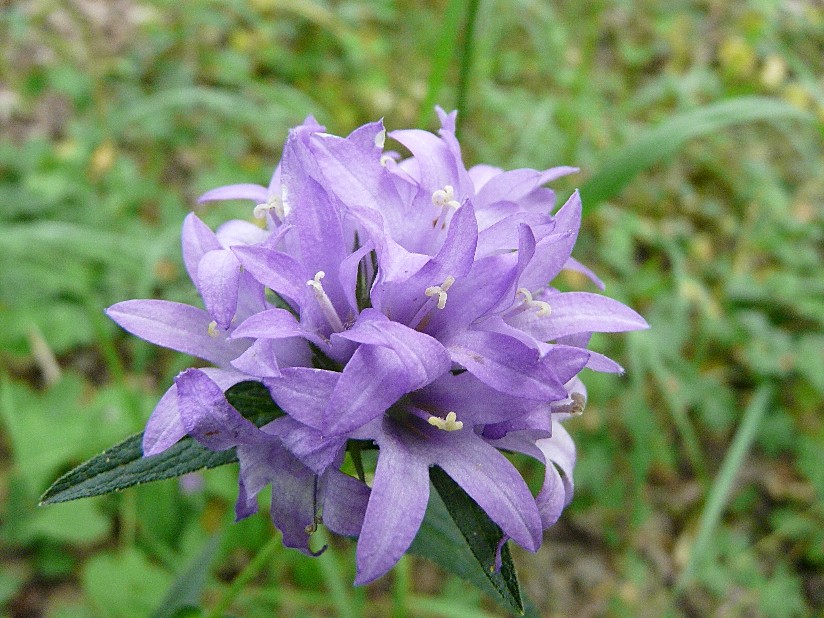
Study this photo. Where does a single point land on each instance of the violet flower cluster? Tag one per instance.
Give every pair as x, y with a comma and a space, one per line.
400, 303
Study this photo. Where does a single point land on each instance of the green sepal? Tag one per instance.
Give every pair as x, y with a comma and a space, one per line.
461, 538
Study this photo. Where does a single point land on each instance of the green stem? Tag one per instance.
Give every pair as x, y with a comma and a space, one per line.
400, 588
466, 60
249, 572
357, 460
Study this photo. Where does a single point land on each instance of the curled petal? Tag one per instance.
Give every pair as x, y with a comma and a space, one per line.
560, 450
303, 393
244, 191
553, 251
208, 416
507, 365
218, 276
294, 501
374, 379
165, 428
196, 241
424, 357
259, 360
276, 270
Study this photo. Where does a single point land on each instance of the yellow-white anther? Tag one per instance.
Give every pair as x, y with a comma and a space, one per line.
526, 294
445, 197
324, 302
315, 283
450, 423
212, 329
386, 159
273, 203
440, 291
542, 308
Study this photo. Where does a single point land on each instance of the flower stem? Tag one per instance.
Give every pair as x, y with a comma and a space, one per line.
248, 573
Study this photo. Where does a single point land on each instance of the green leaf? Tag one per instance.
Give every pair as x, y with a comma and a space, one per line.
459, 536
79, 523
667, 138
124, 465
124, 584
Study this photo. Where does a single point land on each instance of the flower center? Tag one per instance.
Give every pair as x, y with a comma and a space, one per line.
325, 303
450, 423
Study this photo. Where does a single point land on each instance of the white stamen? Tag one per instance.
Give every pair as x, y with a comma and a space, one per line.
380, 138
440, 291
445, 200
273, 202
526, 294
542, 308
386, 159
325, 303
445, 197
450, 423
212, 329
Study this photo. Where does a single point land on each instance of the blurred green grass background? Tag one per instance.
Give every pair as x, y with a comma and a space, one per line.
698, 128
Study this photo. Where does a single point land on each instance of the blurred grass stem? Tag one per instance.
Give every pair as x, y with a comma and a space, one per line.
333, 577
466, 61
721, 489
249, 572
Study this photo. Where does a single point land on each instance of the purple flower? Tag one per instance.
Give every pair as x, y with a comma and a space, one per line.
404, 304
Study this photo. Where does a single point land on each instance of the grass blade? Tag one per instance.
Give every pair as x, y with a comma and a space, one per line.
185, 591
466, 61
664, 140
720, 491
443, 54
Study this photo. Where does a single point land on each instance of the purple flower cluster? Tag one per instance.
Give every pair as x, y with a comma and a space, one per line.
402, 303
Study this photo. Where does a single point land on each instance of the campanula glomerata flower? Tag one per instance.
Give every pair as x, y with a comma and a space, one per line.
390, 304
